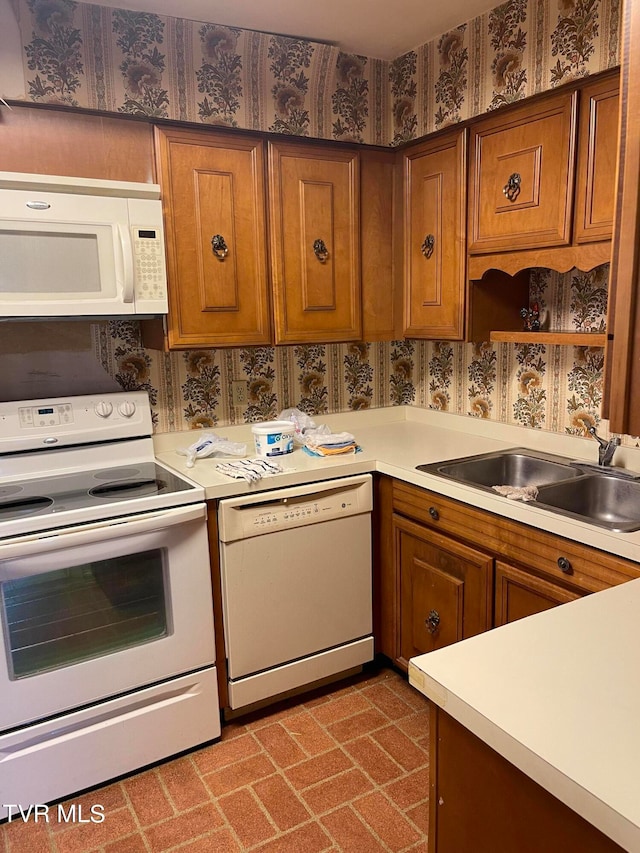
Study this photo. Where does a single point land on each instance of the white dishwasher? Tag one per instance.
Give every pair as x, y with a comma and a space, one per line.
296, 585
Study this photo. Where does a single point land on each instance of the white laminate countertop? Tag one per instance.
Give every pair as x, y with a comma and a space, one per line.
558, 695
394, 440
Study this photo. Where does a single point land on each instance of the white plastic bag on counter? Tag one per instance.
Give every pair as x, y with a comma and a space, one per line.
303, 424
207, 445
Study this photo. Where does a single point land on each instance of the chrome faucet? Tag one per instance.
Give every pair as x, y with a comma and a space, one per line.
606, 449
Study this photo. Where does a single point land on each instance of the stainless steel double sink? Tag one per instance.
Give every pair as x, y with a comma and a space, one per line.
605, 497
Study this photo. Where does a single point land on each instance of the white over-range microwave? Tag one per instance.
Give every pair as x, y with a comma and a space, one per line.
74, 247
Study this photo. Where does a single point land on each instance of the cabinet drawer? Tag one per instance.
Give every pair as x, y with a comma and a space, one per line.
522, 176
577, 566
519, 594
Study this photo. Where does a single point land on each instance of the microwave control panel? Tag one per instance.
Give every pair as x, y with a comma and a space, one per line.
150, 266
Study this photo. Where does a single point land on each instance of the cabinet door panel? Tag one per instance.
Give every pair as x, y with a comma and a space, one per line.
444, 590
519, 594
213, 186
435, 245
443, 595
597, 161
316, 222
219, 282
533, 149
314, 195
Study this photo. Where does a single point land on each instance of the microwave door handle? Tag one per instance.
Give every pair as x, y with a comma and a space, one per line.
89, 534
125, 263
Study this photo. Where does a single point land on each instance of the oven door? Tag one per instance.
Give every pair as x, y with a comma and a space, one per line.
97, 610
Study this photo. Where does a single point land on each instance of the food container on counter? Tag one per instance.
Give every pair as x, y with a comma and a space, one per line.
273, 438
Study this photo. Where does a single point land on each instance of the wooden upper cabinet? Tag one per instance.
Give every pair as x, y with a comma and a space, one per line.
381, 245
522, 176
435, 250
597, 160
315, 243
214, 208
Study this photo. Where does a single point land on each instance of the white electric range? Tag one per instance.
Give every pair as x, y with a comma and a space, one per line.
107, 655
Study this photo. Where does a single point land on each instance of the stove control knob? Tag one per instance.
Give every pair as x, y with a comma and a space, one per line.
103, 409
127, 408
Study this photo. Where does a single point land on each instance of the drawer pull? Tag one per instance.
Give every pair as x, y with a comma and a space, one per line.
512, 188
219, 247
432, 621
565, 565
320, 250
428, 245
433, 512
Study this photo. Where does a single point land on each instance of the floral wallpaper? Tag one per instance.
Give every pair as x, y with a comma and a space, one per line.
549, 387
157, 66
145, 64
141, 63
518, 49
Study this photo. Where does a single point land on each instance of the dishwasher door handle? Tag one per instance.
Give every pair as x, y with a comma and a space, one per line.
297, 499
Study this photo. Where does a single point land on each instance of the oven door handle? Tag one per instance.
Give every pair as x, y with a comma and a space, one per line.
90, 534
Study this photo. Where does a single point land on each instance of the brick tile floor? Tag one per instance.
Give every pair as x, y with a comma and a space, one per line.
344, 768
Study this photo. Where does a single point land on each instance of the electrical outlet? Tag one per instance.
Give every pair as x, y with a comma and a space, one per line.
239, 389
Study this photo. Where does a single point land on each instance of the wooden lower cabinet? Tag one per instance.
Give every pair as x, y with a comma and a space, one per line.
444, 590
519, 594
480, 802
445, 570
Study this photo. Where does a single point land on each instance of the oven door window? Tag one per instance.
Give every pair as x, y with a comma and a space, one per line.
61, 617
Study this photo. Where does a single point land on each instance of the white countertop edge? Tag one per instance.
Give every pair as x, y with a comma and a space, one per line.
595, 811
392, 442
625, 545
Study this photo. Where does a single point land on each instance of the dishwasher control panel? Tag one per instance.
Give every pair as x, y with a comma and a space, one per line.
240, 518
